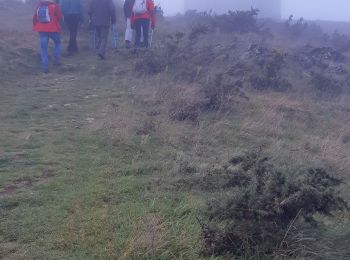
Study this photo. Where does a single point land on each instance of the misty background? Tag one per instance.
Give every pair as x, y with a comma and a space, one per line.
329, 10
333, 10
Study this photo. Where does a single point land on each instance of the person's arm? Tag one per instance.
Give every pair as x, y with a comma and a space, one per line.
59, 13
81, 11
132, 21
63, 5
35, 18
151, 11
112, 13
125, 7
90, 11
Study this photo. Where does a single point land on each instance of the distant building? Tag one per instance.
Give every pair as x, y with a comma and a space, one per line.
268, 8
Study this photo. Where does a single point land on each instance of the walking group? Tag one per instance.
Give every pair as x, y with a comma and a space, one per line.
49, 15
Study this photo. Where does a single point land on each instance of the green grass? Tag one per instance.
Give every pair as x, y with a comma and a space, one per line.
92, 210
86, 185
103, 197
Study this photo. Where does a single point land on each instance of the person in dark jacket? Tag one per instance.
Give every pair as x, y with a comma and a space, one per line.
128, 5
73, 15
102, 15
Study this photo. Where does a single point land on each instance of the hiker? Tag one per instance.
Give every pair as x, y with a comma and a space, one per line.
143, 13
73, 15
102, 15
46, 21
128, 5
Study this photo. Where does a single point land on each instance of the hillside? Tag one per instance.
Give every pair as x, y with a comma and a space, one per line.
119, 159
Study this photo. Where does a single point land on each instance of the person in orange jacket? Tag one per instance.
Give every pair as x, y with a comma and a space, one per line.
142, 14
46, 21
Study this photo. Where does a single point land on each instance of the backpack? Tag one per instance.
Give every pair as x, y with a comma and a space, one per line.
140, 7
43, 14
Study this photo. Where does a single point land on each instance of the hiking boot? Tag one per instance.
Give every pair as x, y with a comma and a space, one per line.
102, 57
128, 44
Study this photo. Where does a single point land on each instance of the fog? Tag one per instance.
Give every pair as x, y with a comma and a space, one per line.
335, 10
172, 7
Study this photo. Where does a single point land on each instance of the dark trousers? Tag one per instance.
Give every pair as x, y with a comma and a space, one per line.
72, 22
101, 39
141, 25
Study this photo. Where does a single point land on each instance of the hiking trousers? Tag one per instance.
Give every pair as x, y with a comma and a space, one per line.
128, 31
72, 22
101, 39
44, 38
141, 27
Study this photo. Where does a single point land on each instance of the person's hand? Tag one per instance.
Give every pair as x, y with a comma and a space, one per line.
153, 26
90, 26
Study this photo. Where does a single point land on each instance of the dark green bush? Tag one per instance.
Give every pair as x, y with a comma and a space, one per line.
340, 42
238, 21
150, 64
326, 85
268, 74
296, 29
198, 30
258, 204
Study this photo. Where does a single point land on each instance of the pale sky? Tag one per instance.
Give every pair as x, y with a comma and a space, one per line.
172, 7
338, 10
309, 9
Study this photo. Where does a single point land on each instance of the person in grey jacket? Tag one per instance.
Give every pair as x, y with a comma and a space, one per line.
102, 15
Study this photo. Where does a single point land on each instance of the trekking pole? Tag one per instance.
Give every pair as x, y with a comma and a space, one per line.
114, 36
92, 29
151, 38
94, 39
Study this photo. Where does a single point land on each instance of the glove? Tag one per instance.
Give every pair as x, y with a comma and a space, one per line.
90, 26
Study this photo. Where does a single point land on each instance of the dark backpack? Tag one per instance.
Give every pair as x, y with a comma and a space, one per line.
43, 14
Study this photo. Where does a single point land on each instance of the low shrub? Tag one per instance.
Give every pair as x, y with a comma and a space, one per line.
340, 42
197, 30
150, 64
257, 206
263, 82
238, 21
326, 85
268, 74
295, 29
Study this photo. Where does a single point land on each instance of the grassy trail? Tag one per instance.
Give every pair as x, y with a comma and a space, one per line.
91, 166
68, 190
